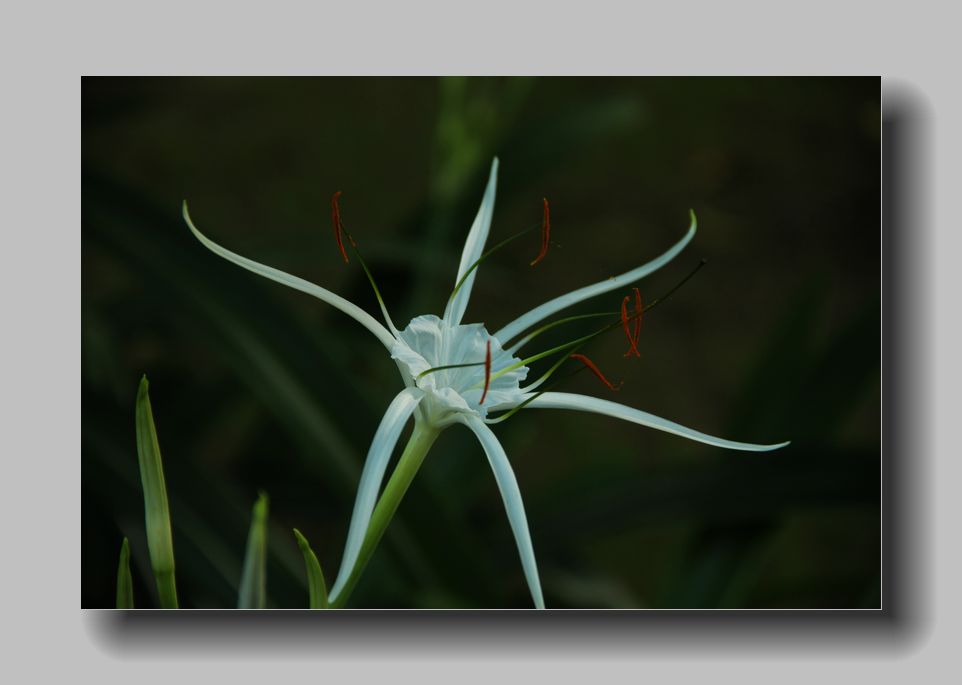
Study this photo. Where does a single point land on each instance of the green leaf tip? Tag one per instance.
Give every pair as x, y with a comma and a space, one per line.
253, 584
316, 586
142, 390
261, 506
125, 583
156, 511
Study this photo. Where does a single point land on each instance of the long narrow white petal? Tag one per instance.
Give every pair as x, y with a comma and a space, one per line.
508, 485
349, 308
541, 312
378, 456
564, 400
473, 249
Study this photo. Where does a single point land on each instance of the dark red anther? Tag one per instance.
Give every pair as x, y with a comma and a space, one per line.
487, 373
338, 226
545, 233
624, 325
595, 370
634, 335
631, 335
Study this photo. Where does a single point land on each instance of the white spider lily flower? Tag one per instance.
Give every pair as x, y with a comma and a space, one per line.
458, 373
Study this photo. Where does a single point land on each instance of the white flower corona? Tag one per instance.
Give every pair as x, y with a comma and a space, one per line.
429, 343
457, 373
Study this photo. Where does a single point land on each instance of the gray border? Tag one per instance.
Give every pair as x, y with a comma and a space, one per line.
902, 627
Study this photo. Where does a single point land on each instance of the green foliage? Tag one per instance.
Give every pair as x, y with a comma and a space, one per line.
157, 515
125, 583
253, 584
316, 586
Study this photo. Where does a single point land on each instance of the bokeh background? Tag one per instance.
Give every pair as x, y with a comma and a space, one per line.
257, 387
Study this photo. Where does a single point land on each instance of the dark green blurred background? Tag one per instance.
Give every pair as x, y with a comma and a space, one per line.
255, 386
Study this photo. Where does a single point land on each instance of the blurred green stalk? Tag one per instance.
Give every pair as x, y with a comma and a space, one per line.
125, 583
316, 586
253, 585
159, 540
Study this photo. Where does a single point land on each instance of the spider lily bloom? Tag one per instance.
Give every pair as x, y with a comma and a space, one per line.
457, 373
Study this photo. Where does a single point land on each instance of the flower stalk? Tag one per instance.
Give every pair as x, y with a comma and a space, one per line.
422, 437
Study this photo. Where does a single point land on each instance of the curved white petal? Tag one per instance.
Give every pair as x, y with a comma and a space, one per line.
378, 456
473, 249
508, 485
349, 308
564, 400
541, 312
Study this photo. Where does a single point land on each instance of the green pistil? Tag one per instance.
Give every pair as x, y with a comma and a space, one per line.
680, 283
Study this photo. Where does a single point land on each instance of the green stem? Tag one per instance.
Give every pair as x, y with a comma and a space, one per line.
411, 459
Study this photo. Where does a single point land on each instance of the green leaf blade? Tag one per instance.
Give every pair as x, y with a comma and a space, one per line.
157, 514
125, 583
315, 577
253, 585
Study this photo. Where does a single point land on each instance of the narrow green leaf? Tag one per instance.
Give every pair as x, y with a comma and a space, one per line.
253, 585
159, 540
315, 577
125, 584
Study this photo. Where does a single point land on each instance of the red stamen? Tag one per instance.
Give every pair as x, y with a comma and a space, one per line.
635, 335
338, 227
487, 373
595, 370
545, 233
632, 337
